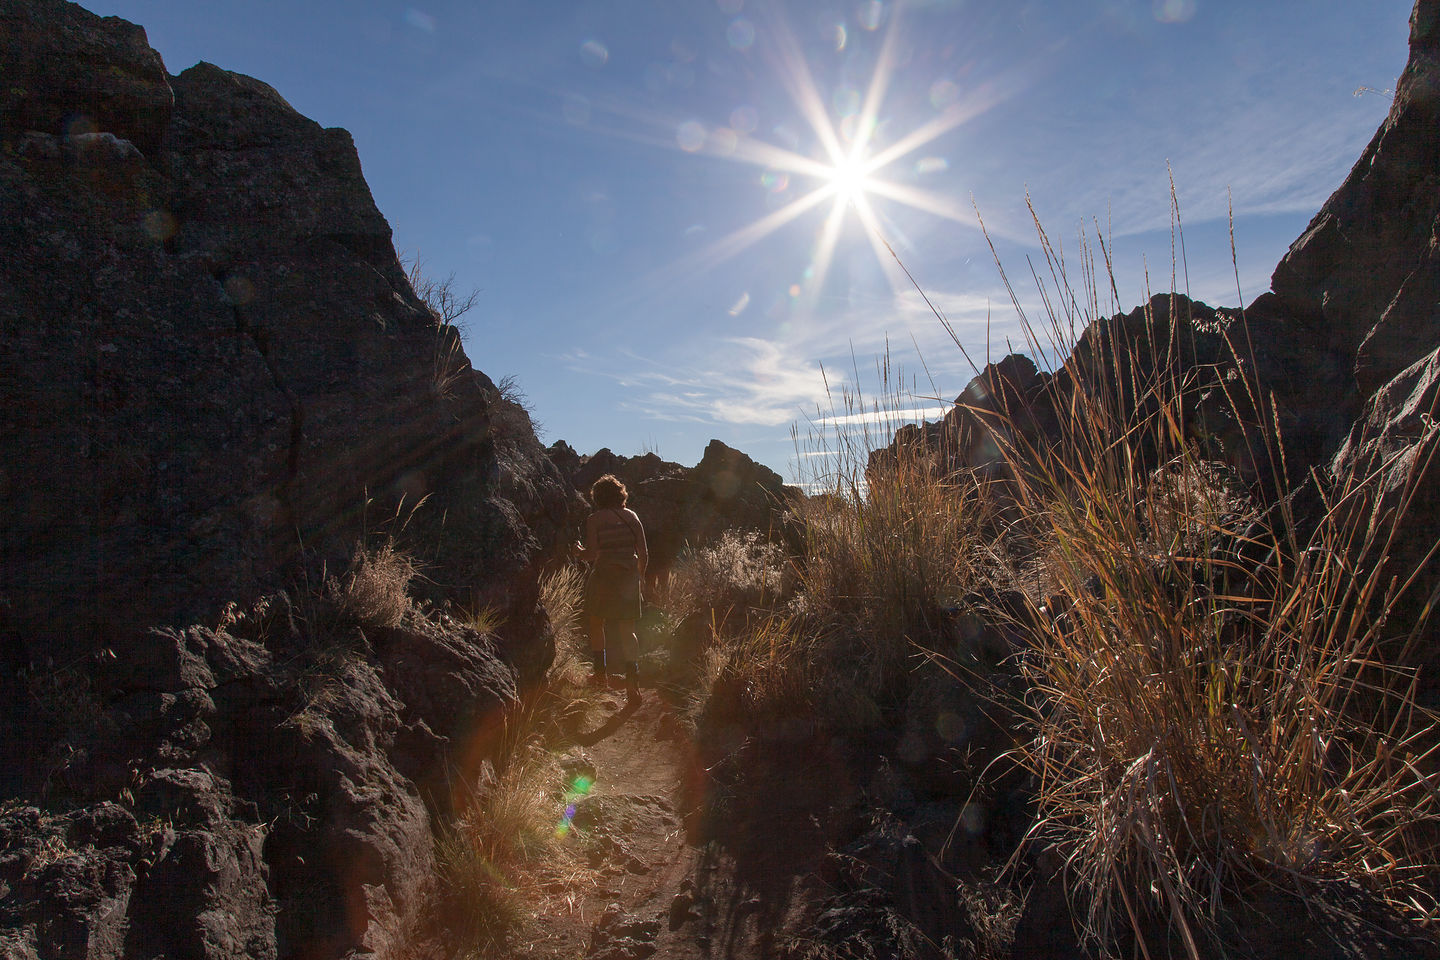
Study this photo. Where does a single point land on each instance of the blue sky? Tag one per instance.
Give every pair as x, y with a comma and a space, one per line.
631, 185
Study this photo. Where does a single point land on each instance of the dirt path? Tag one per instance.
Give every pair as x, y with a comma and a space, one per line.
655, 892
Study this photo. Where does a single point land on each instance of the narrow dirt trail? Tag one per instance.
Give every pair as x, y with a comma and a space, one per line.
641, 903
655, 893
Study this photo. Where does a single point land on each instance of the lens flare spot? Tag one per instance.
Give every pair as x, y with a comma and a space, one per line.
603, 239
576, 110
593, 53
682, 75
794, 291
931, 165
239, 290
846, 101
950, 726
740, 34
740, 304
744, 119
690, 136
657, 77
775, 181
841, 37
723, 141
870, 14
1173, 11
972, 818
943, 93
79, 125
857, 125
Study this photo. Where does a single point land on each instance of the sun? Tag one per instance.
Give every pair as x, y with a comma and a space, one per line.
850, 180
850, 170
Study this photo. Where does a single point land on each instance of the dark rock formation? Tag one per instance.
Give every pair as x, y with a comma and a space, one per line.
213, 357
1012, 411
217, 383
692, 506
1365, 276
1347, 346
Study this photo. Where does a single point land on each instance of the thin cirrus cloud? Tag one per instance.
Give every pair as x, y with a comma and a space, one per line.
1264, 157
777, 381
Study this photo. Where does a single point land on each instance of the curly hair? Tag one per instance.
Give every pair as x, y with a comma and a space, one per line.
608, 493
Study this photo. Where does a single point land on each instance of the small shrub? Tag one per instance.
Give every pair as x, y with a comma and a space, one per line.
1203, 720
497, 858
374, 591
739, 572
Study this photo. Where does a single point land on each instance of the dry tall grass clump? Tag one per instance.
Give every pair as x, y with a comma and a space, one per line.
738, 573
504, 860
885, 563
375, 590
562, 595
1217, 703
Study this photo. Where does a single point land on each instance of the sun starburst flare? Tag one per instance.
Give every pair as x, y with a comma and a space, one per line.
849, 177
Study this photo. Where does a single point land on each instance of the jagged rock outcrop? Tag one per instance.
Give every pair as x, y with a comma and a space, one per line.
693, 506
1365, 278
1347, 344
217, 383
212, 355
1011, 410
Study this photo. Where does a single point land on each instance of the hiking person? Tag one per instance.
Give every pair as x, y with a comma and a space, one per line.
615, 549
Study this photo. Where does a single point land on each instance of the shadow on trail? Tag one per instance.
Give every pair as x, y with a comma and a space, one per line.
608, 728
765, 812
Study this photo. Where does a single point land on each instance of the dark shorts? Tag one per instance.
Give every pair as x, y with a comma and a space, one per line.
612, 592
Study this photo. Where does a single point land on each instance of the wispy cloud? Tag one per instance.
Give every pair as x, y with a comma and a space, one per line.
1266, 156
881, 417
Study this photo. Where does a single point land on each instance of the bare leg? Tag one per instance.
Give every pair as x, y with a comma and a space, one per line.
628, 649
597, 649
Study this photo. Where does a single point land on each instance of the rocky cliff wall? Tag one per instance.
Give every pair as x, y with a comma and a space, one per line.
210, 358
216, 383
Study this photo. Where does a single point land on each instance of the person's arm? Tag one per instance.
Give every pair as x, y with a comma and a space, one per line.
586, 551
642, 554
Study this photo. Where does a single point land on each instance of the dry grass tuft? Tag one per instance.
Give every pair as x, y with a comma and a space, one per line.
504, 862
374, 592
886, 563
1217, 704
502, 859
738, 573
